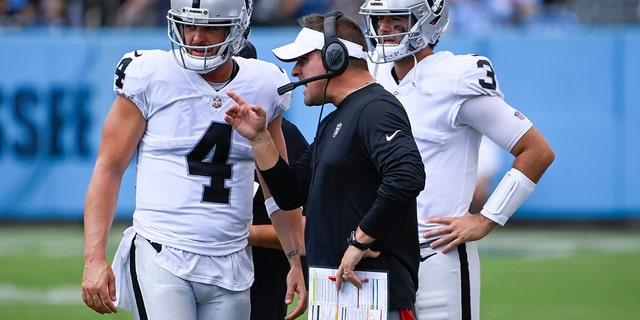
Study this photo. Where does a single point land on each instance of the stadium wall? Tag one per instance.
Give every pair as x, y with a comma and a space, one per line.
578, 88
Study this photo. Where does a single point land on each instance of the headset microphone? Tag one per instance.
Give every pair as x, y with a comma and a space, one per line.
292, 85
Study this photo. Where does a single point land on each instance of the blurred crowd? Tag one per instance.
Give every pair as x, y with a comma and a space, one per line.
478, 17
83, 13
466, 16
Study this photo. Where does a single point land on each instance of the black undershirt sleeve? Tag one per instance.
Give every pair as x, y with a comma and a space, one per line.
284, 185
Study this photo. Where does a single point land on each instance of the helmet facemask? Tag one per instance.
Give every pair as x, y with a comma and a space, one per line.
230, 14
426, 20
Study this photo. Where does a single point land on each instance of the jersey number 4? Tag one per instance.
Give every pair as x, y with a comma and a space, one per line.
209, 159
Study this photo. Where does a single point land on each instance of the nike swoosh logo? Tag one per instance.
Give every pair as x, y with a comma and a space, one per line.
390, 137
136, 53
427, 257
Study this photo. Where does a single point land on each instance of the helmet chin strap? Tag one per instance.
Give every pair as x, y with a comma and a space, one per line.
413, 70
413, 75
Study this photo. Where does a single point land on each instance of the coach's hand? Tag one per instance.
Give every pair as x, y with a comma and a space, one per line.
350, 259
99, 286
458, 230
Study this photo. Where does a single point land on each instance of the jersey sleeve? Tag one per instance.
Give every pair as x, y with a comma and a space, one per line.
478, 77
269, 78
130, 80
496, 119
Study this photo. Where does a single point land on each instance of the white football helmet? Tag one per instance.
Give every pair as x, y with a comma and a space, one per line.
427, 19
234, 14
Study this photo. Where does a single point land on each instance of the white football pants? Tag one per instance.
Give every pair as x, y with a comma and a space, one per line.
167, 297
449, 284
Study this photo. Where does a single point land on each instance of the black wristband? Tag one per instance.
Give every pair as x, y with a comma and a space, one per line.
281, 181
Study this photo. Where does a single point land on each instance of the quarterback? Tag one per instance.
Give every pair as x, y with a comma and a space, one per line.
185, 255
452, 101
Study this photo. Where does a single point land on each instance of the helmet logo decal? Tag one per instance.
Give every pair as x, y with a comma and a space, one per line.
195, 12
436, 6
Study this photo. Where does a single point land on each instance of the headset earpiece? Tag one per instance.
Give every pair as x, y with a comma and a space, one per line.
335, 56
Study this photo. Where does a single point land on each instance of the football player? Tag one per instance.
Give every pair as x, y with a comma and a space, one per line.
184, 256
452, 101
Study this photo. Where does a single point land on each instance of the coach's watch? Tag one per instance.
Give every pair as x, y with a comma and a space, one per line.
351, 240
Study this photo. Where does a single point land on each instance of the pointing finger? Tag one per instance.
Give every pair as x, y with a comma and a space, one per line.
238, 99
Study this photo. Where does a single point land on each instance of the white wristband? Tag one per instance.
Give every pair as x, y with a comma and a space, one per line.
511, 192
271, 206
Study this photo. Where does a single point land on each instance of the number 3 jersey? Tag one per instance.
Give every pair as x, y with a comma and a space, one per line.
432, 93
195, 173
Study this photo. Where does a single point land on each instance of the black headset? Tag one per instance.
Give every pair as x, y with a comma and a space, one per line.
335, 56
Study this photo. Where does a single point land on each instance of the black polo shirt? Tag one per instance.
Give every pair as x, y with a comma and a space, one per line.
363, 169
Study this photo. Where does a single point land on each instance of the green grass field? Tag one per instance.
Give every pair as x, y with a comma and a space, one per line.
527, 273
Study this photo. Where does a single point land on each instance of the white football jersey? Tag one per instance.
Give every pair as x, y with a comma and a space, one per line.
432, 93
194, 172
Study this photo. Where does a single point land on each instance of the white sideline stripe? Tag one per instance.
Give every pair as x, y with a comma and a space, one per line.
40, 245
10, 294
546, 245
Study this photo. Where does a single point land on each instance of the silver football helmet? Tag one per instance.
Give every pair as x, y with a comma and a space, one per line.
427, 19
234, 14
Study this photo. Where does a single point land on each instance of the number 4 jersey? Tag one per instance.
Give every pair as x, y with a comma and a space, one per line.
195, 174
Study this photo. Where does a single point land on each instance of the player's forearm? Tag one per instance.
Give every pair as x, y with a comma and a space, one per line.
533, 155
264, 236
99, 211
533, 163
96, 234
288, 226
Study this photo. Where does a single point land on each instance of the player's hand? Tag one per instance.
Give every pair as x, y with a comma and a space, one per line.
295, 284
248, 119
458, 230
348, 264
99, 287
